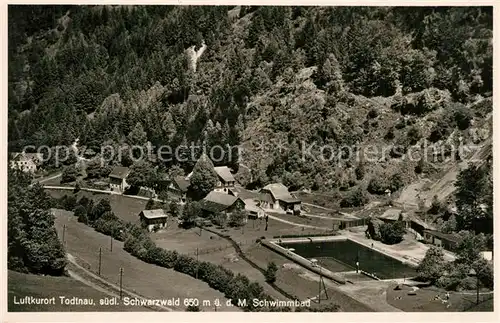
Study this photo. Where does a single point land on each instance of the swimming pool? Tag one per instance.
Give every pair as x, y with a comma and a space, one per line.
341, 255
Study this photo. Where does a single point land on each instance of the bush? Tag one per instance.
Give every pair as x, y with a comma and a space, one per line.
372, 114
414, 135
68, 202
237, 218
392, 233
378, 185
461, 116
110, 227
69, 174
270, 273
81, 214
354, 199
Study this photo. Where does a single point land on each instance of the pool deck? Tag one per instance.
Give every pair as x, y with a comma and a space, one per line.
409, 252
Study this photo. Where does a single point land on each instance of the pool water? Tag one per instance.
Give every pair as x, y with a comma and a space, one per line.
339, 256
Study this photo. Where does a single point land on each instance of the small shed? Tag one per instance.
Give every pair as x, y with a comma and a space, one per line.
152, 218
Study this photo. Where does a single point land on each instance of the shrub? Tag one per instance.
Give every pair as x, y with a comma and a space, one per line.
193, 308
81, 214
69, 174
461, 116
68, 202
110, 227
372, 114
392, 233
270, 273
354, 199
390, 134
237, 218
414, 135
440, 131
378, 185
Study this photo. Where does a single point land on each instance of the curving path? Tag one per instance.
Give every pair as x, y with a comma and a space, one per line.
72, 260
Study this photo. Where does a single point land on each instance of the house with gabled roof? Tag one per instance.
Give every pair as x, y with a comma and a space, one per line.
26, 162
218, 202
153, 218
225, 178
277, 197
178, 188
118, 179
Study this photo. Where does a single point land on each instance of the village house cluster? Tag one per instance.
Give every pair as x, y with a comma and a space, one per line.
226, 197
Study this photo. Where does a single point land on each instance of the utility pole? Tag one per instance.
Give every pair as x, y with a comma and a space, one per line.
320, 280
477, 289
111, 248
100, 256
64, 233
121, 279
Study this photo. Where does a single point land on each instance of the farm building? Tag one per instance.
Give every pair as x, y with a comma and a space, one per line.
440, 239
178, 188
118, 179
152, 218
393, 215
26, 162
342, 224
226, 179
216, 202
254, 211
277, 197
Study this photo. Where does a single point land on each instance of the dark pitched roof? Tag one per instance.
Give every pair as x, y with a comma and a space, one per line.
221, 198
244, 193
182, 183
444, 236
146, 192
120, 172
154, 214
224, 173
27, 156
216, 201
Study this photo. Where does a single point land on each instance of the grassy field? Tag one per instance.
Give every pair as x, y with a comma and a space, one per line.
21, 285
144, 279
126, 208
424, 301
314, 221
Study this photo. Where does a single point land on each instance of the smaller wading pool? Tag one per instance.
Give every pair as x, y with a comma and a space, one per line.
341, 256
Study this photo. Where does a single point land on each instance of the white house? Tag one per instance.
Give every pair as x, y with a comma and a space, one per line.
152, 218
27, 162
118, 179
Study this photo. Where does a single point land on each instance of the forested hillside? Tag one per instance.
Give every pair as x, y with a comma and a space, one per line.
326, 75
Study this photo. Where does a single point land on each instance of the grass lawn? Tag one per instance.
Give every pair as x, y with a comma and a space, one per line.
21, 285
144, 279
126, 208
424, 300
187, 241
317, 222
